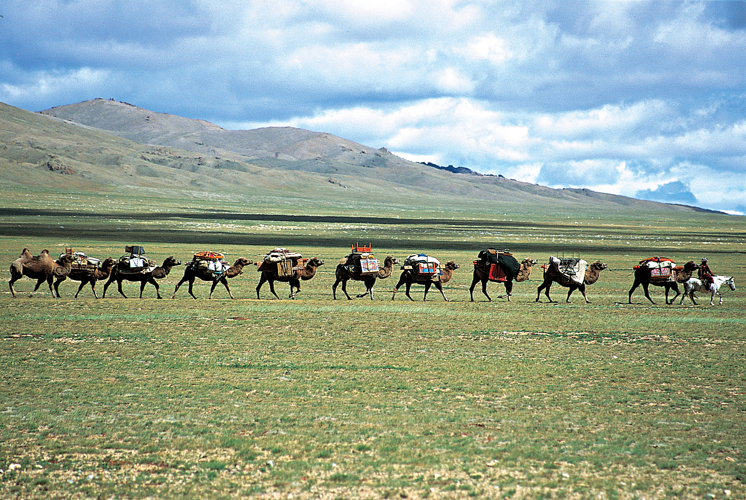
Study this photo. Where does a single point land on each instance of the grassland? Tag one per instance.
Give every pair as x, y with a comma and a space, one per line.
316, 398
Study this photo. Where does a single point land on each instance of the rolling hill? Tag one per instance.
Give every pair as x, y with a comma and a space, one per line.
104, 144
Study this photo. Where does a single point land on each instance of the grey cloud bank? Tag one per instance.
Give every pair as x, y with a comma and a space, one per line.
644, 98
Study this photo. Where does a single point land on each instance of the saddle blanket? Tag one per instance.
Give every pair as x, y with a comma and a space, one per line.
281, 255
421, 263
573, 269
661, 268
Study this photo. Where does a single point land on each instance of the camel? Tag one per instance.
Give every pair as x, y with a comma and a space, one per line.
269, 273
408, 277
41, 268
86, 276
482, 272
343, 274
121, 272
642, 277
695, 285
193, 272
551, 273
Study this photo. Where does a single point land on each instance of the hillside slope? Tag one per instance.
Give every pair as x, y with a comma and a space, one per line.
105, 144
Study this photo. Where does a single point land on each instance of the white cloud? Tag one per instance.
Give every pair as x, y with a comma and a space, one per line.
625, 96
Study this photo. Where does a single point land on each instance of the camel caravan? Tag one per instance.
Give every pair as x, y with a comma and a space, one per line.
361, 264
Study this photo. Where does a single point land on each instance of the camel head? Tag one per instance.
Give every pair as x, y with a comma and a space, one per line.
529, 262
390, 261
171, 261
599, 266
690, 266
65, 259
108, 262
452, 266
314, 262
242, 261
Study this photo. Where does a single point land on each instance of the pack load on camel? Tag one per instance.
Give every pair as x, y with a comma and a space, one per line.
285, 261
361, 261
81, 262
503, 266
136, 261
209, 262
422, 265
660, 268
572, 268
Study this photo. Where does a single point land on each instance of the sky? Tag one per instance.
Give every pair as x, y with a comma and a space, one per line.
639, 98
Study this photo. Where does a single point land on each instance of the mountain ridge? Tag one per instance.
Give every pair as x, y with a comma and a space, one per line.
110, 143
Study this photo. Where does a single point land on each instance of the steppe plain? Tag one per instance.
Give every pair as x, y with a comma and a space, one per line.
316, 398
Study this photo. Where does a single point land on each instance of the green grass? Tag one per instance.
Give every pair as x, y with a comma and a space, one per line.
372, 399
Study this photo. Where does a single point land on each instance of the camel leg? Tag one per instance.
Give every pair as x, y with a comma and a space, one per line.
224, 281
153, 282
344, 289
49, 283
569, 292
439, 286
334, 288
272, 288
38, 284
262, 279
57, 284
368, 289
631, 290
294, 283
675, 287
546, 286
178, 285
13, 279
508, 290
474, 284
93, 287
408, 286
396, 288
647, 292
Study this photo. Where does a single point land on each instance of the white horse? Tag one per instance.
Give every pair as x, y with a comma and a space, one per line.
695, 285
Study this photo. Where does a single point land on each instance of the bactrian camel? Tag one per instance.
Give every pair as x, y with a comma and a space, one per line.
40, 268
86, 276
269, 273
482, 272
551, 274
193, 272
344, 274
122, 272
408, 276
642, 277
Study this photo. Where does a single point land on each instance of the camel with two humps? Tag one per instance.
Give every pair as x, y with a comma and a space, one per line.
408, 277
40, 268
343, 274
122, 272
193, 272
551, 274
695, 285
86, 276
681, 275
482, 273
270, 274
